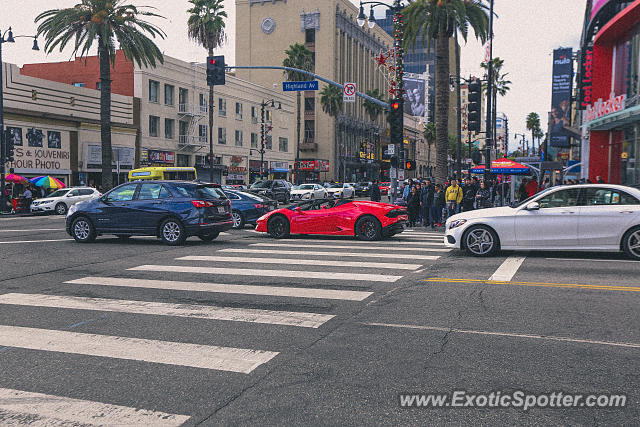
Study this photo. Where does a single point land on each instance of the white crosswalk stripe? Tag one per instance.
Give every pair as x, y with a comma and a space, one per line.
438, 248
325, 253
288, 318
144, 350
390, 243
325, 275
37, 409
275, 291
301, 261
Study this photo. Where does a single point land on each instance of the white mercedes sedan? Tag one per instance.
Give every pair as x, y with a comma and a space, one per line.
590, 217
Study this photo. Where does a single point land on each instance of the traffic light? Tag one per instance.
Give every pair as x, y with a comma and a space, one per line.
396, 122
215, 70
8, 146
474, 106
410, 165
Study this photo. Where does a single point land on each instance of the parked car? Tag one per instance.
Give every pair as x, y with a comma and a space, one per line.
170, 210
362, 188
61, 200
341, 191
363, 219
246, 208
384, 188
276, 189
590, 217
308, 192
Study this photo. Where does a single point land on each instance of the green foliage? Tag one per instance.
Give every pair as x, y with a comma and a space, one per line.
331, 100
206, 23
373, 109
298, 56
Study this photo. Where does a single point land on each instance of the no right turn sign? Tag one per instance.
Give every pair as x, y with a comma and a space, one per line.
349, 92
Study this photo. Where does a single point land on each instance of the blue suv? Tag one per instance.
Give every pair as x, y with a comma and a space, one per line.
170, 210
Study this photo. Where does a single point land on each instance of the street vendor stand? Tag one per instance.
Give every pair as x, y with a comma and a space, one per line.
503, 167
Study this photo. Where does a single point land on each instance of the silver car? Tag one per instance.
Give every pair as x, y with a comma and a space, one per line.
61, 200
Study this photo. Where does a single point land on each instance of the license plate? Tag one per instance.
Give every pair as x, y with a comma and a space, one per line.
221, 209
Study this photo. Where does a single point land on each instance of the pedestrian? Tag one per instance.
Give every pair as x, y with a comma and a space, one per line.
599, 180
522, 190
468, 195
28, 198
426, 199
413, 206
453, 198
375, 191
532, 187
439, 204
406, 190
483, 197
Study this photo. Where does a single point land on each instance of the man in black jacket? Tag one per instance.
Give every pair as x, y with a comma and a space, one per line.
468, 195
374, 191
426, 201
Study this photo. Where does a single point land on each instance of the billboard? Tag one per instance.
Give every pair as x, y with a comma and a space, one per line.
561, 96
415, 98
596, 6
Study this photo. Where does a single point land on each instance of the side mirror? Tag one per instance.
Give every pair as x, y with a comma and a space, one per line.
533, 206
298, 209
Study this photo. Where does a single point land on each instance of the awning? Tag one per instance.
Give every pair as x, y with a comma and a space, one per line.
503, 166
616, 120
280, 170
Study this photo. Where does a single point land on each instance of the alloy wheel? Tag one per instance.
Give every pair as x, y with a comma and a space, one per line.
480, 241
81, 229
237, 219
61, 209
634, 244
171, 231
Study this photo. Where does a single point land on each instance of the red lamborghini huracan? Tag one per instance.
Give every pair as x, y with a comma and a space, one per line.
363, 219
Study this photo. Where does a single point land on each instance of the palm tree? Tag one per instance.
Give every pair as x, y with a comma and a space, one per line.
373, 109
429, 134
207, 27
298, 56
533, 124
106, 22
331, 100
500, 87
439, 21
538, 133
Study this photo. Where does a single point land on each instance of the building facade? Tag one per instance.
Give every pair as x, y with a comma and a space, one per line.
173, 117
55, 129
349, 147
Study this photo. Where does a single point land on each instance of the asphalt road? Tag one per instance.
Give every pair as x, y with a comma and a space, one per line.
309, 330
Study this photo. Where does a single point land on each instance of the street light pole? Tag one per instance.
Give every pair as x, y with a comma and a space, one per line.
489, 140
263, 133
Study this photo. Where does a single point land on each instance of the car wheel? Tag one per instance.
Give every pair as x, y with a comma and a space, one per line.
61, 209
83, 230
368, 228
238, 219
208, 237
480, 241
631, 243
172, 232
278, 227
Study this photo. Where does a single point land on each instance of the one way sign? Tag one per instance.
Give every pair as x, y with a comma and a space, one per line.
349, 92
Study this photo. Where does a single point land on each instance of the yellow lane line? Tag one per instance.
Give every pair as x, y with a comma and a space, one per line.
537, 284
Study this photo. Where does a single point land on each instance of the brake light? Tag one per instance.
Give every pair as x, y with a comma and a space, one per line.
260, 206
201, 203
395, 213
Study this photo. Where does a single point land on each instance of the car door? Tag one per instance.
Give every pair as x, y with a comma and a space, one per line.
72, 197
150, 206
116, 212
313, 220
605, 214
554, 225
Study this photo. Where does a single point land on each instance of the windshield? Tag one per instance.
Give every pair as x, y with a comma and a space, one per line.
261, 184
336, 186
58, 193
304, 187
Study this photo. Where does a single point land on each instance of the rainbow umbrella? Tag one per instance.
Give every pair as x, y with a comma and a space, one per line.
47, 182
16, 179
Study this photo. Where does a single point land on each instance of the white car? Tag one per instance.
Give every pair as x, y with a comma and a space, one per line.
61, 200
341, 191
591, 217
308, 192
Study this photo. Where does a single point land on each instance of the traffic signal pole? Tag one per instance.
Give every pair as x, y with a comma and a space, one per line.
489, 140
3, 152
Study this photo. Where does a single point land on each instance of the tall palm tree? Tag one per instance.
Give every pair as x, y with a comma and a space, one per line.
107, 23
439, 21
207, 27
373, 109
331, 100
429, 136
533, 124
298, 56
538, 133
500, 87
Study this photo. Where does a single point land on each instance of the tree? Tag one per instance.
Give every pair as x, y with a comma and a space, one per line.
500, 87
206, 26
538, 133
331, 100
533, 123
373, 109
437, 21
429, 134
298, 56
105, 22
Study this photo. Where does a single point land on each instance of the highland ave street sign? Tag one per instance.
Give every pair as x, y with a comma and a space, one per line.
297, 86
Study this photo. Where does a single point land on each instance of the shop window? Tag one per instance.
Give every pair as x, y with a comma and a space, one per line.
154, 124
154, 88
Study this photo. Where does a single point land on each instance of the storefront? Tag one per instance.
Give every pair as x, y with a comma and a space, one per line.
310, 170
236, 170
91, 172
279, 170
255, 171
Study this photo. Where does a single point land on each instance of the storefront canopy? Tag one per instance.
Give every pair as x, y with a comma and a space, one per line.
503, 166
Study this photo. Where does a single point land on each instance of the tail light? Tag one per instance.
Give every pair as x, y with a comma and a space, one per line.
396, 213
201, 203
260, 206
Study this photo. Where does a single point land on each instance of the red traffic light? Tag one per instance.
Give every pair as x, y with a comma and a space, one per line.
410, 165
395, 105
212, 61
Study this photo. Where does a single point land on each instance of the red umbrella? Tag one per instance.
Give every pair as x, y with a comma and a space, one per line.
16, 179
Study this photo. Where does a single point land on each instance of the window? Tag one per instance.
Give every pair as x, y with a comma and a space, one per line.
202, 133
309, 105
203, 103
310, 35
283, 144
98, 85
222, 136
168, 94
154, 124
200, 160
608, 196
169, 126
254, 114
222, 107
238, 111
309, 129
122, 194
183, 99
78, 84
182, 160
154, 88
86, 192
254, 140
74, 193
268, 142
183, 131
149, 191
232, 196
268, 116
560, 199
238, 138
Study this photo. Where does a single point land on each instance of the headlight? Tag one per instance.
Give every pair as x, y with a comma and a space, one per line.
72, 209
457, 223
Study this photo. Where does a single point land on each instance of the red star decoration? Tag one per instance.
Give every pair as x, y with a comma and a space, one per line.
381, 60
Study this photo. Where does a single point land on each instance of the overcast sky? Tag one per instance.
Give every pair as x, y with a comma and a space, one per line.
526, 32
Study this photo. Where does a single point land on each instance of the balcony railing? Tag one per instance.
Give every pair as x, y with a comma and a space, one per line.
192, 109
309, 145
190, 140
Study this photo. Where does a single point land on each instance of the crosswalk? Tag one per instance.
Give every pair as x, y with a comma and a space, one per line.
337, 273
